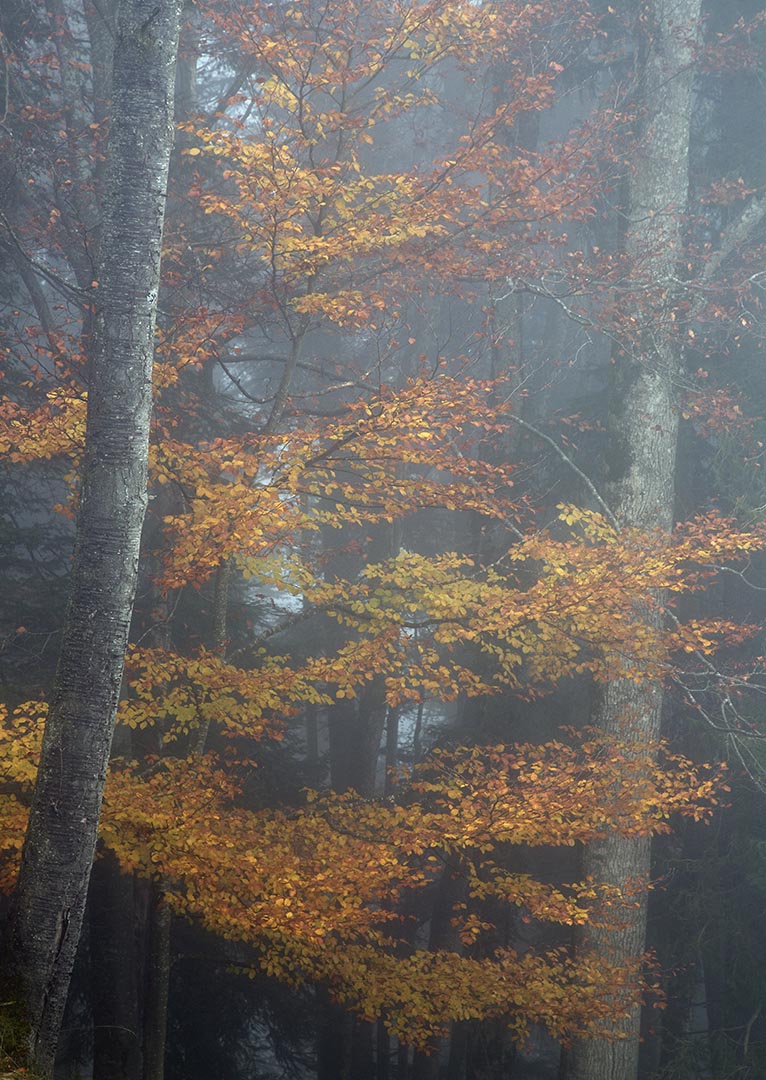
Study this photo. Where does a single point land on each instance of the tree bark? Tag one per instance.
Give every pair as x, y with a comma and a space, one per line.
643, 427
63, 825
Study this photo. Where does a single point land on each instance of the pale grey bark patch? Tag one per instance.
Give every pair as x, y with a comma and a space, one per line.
61, 836
643, 425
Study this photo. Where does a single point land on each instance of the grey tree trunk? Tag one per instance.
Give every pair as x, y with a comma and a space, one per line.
643, 426
158, 985
63, 825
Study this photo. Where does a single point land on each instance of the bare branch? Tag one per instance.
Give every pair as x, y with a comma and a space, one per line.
575, 468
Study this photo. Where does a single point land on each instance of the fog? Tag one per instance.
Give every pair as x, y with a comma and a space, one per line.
382, 420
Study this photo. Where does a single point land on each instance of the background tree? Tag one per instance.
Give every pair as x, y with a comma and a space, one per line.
643, 432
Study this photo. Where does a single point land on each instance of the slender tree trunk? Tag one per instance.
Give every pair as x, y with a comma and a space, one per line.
159, 962
158, 985
643, 426
220, 635
311, 722
356, 727
459, 1045
451, 890
116, 1036
334, 1039
363, 1066
382, 1052
392, 749
63, 825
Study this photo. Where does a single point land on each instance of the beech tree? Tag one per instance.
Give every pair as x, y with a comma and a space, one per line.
320, 424
63, 824
644, 416
643, 436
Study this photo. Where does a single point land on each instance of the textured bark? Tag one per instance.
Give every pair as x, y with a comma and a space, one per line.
643, 425
63, 824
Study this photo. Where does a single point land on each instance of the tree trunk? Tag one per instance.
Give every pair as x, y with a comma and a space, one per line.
334, 1038
116, 1037
63, 825
157, 984
450, 891
382, 1052
363, 1065
392, 749
643, 427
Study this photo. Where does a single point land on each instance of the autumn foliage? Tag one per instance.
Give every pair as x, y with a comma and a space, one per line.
296, 884
287, 224
314, 889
